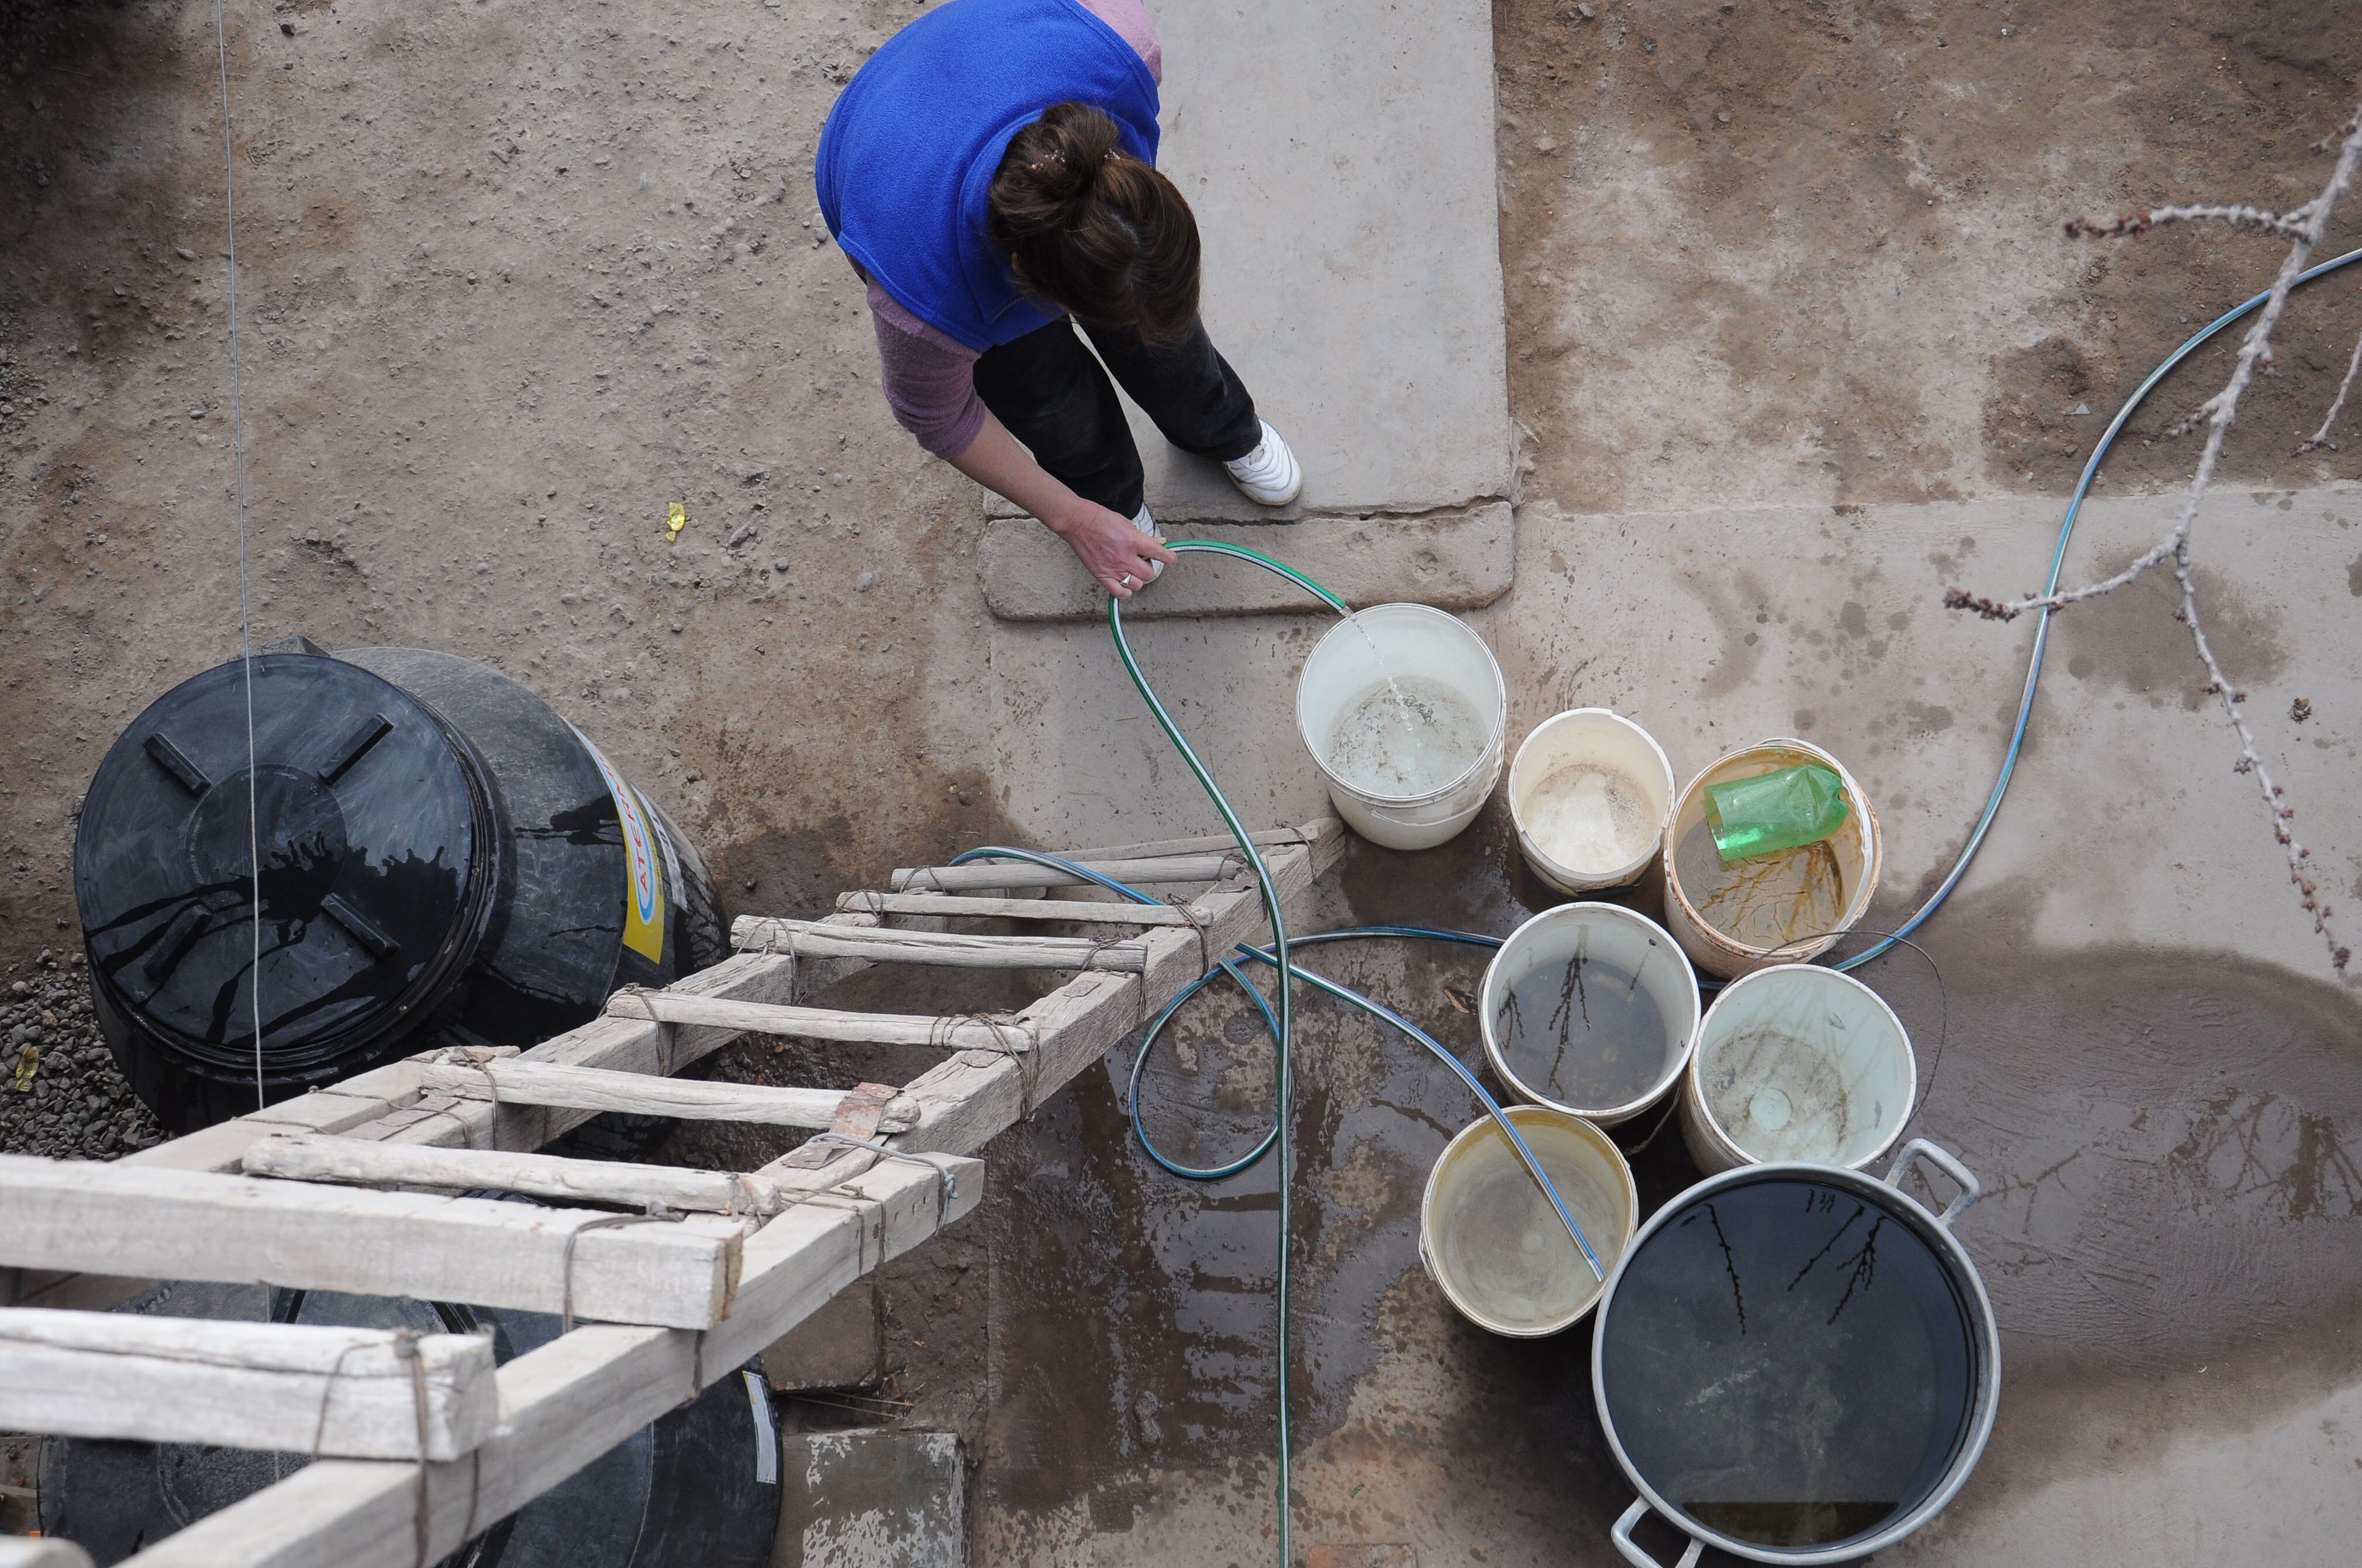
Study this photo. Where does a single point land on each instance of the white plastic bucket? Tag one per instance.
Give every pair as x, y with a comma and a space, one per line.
1577, 748
1415, 640
1856, 845
1797, 1062
1604, 933
1489, 1238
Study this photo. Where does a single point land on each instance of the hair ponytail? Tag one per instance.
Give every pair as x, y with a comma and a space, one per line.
1095, 230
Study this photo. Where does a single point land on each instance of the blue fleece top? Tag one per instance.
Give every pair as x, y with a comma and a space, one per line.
906, 160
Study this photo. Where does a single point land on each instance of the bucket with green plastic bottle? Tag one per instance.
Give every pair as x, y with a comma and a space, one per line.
1772, 854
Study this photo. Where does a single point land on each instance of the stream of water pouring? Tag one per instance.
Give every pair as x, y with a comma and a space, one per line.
1402, 702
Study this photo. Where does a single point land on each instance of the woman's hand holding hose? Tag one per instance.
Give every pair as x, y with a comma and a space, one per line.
1120, 555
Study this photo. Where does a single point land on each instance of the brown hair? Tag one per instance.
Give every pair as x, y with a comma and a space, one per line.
1095, 230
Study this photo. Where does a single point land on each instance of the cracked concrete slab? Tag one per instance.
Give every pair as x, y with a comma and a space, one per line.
1352, 261
1352, 275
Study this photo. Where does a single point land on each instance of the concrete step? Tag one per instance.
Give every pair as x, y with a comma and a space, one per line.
1459, 559
871, 1499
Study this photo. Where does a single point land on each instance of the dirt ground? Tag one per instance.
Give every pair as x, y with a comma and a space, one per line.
1810, 252
516, 275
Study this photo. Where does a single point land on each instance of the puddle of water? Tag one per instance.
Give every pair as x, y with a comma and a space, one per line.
2163, 1136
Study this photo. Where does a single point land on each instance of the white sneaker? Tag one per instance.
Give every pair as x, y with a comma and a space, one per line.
1147, 524
1269, 474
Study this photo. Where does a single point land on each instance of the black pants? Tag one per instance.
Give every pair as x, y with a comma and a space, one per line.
1055, 398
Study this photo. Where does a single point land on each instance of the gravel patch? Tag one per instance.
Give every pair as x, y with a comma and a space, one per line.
59, 1092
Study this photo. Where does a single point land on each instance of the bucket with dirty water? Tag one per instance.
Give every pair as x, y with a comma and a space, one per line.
1402, 708
1772, 909
1797, 1062
1490, 1239
1590, 1009
1589, 791
1796, 1362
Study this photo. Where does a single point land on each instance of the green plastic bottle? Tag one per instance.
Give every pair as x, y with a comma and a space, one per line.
1775, 811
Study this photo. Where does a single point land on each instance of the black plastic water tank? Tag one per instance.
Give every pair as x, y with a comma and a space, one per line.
445, 861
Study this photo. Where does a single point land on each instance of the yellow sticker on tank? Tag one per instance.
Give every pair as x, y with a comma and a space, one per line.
644, 900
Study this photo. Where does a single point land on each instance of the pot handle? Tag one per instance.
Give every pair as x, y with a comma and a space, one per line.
1920, 1148
1631, 1550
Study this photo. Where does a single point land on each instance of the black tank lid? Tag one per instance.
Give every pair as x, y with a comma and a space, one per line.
373, 819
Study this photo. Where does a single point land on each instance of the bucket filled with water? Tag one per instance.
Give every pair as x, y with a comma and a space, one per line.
1589, 791
1740, 900
1797, 1062
1402, 708
1796, 1362
1590, 1009
1490, 1239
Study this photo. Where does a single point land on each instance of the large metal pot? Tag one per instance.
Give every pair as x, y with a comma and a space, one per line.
1796, 1362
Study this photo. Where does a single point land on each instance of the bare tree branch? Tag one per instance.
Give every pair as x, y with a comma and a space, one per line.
2321, 437
2133, 225
2251, 762
2305, 226
2220, 410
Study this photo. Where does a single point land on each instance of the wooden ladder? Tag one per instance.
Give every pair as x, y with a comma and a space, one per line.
681, 1275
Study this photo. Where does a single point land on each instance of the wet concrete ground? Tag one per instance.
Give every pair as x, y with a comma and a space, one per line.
2170, 1236
2148, 1061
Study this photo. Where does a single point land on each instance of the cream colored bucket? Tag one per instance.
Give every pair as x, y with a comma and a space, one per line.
1493, 1243
1856, 848
1415, 641
1590, 792
1797, 1062
1611, 941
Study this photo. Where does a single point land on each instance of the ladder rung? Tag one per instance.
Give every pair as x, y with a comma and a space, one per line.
293, 1387
354, 1162
822, 1023
155, 1224
1075, 909
1269, 837
813, 938
642, 1094
980, 874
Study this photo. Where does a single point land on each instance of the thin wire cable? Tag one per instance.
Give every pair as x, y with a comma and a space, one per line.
244, 619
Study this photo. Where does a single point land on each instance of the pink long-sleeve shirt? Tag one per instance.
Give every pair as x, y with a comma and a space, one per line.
930, 378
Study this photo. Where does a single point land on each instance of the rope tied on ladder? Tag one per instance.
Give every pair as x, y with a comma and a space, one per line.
666, 1038
1197, 923
771, 950
946, 1179
405, 1348
943, 1034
